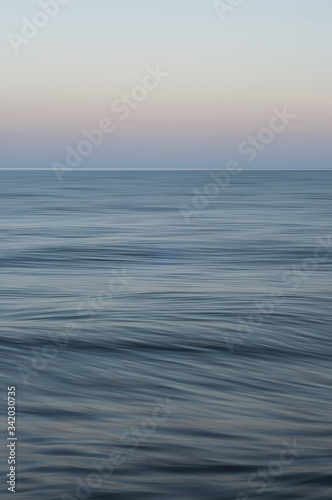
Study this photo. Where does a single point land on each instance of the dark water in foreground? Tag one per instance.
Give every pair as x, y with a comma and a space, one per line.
92, 366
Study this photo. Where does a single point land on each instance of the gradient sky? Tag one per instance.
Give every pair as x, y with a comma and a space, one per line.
224, 80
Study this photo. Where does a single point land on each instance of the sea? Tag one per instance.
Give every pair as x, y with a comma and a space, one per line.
167, 336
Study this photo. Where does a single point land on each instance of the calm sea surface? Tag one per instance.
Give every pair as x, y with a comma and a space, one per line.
192, 360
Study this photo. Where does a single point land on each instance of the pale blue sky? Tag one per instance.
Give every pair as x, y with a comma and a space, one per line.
225, 79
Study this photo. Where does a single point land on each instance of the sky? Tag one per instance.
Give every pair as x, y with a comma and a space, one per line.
224, 73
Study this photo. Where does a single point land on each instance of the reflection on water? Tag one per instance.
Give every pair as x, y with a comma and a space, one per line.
111, 303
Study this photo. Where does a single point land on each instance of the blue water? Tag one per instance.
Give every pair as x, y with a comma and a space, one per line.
111, 303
